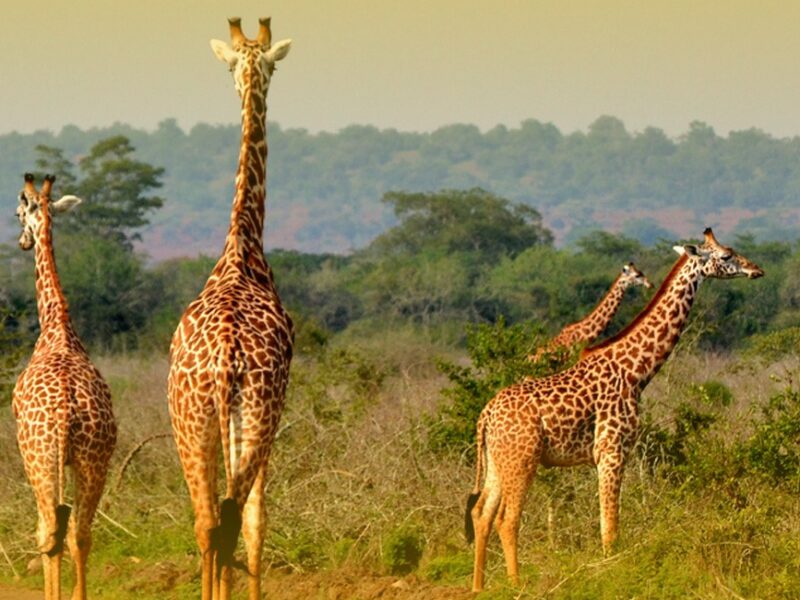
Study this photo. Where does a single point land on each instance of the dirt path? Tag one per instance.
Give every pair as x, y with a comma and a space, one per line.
10, 593
339, 585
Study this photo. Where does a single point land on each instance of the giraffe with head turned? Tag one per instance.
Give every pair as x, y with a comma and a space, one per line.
62, 407
230, 355
592, 325
587, 414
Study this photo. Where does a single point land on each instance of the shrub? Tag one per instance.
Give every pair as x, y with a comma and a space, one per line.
773, 346
499, 356
402, 549
684, 446
773, 450
449, 567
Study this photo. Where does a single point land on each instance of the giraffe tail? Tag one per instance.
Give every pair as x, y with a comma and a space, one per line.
472, 499
226, 534
62, 510
62, 521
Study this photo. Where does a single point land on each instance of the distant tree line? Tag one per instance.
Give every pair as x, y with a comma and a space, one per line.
325, 188
453, 257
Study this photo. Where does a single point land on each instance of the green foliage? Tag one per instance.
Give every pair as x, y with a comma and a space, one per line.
12, 349
775, 345
449, 567
674, 448
339, 384
773, 449
452, 221
602, 243
499, 357
402, 550
329, 184
113, 189
682, 451
713, 393
110, 294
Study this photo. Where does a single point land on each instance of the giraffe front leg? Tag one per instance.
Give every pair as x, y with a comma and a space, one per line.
609, 473
253, 526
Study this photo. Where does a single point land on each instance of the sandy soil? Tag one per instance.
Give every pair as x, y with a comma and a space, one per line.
9, 593
338, 585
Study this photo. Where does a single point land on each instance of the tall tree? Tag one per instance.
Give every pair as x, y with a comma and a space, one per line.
474, 221
114, 187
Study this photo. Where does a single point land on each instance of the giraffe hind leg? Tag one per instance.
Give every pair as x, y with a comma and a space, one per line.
90, 477
482, 514
507, 522
254, 517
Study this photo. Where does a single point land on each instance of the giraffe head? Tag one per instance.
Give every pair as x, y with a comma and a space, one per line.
34, 208
631, 276
252, 62
718, 261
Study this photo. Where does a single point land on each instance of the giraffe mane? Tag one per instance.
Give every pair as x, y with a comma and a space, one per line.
646, 311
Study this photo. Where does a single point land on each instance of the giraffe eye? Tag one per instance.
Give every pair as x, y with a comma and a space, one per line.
726, 256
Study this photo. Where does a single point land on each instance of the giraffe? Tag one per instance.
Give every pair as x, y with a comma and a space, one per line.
62, 407
230, 355
591, 326
587, 414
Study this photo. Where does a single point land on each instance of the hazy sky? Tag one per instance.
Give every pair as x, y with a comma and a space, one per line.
410, 64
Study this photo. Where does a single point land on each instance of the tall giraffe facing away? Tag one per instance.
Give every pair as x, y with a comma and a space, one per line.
230, 354
592, 325
587, 414
62, 406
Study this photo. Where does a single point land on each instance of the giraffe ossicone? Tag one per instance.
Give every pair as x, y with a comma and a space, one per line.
587, 414
62, 407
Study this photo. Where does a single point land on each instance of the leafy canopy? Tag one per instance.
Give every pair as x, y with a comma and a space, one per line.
114, 189
451, 221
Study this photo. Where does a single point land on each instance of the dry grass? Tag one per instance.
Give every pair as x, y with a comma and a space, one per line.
351, 468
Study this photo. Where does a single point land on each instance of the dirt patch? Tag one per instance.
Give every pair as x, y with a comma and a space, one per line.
342, 585
337, 585
12, 593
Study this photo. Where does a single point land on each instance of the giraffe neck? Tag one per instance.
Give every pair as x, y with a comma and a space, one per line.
244, 246
642, 347
596, 321
54, 321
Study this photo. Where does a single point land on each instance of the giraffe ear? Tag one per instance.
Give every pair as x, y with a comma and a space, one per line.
65, 203
224, 52
626, 268
680, 250
278, 51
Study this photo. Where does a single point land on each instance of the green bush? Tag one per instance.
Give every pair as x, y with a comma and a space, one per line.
402, 549
449, 567
12, 348
771, 347
773, 450
499, 356
682, 446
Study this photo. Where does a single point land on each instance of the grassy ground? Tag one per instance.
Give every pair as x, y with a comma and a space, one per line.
355, 491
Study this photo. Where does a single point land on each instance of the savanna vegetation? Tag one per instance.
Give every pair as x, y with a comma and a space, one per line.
399, 345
